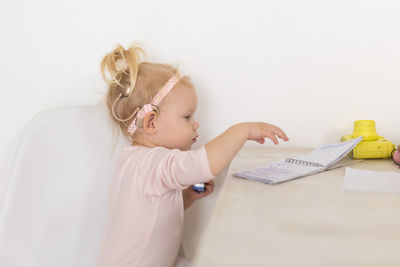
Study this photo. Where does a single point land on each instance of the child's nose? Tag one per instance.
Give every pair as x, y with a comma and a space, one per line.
196, 125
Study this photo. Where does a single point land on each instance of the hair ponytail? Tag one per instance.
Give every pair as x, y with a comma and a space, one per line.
123, 67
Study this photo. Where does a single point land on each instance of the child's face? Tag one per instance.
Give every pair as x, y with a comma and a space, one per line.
176, 125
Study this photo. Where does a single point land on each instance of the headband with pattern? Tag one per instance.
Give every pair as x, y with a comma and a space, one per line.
153, 105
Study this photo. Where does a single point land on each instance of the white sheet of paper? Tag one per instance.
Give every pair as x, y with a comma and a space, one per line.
371, 181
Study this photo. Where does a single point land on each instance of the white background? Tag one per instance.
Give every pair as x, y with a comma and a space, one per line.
312, 67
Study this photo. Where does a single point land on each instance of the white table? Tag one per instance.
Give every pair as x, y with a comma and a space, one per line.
309, 221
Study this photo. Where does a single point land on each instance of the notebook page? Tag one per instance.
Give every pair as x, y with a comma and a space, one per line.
276, 172
329, 154
371, 181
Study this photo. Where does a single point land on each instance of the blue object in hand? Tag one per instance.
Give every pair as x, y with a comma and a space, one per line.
199, 187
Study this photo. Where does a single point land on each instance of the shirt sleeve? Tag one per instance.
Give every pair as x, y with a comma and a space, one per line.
176, 169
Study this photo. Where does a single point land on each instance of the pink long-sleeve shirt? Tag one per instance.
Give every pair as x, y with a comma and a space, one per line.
145, 206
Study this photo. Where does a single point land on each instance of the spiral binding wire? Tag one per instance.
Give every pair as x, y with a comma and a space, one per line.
303, 162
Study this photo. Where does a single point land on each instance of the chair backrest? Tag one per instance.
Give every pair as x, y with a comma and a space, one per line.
54, 207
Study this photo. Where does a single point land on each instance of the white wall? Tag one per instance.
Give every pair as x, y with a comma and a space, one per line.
312, 67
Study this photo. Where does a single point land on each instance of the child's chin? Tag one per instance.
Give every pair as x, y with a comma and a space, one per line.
187, 148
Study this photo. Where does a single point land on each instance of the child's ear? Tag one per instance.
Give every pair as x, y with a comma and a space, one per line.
149, 125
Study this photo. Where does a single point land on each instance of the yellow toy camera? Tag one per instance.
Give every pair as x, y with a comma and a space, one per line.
372, 146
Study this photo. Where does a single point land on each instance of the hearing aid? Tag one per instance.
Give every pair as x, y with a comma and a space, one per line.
125, 92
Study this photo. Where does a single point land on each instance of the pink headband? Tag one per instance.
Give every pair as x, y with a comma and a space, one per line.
154, 102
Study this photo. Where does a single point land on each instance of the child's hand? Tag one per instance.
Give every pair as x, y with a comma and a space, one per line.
222, 149
190, 195
258, 131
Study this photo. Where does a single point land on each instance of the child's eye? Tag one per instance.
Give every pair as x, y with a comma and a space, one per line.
188, 117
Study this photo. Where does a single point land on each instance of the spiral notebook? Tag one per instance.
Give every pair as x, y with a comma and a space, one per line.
318, 160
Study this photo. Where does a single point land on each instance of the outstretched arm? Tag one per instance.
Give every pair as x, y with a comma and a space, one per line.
222, 149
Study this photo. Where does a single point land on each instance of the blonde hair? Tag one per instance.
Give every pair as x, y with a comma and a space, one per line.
128, 71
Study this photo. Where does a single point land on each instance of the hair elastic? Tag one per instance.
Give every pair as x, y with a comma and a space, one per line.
153, 105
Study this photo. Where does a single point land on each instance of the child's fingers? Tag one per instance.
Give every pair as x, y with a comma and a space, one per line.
211, 182
208, 191
197, 195
281, 134
271, 131
273, 138
209, 188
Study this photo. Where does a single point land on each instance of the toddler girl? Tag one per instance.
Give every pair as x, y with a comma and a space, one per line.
154, 105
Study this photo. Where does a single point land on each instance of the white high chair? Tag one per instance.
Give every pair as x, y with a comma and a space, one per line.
54, 208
